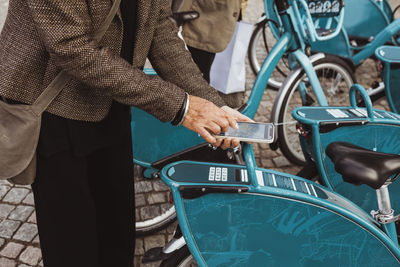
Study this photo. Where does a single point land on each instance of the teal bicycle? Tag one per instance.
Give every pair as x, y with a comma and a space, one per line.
296, 89
355, 34
161, 146
259, 217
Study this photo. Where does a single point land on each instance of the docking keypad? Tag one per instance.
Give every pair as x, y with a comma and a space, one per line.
218, 174
203, 173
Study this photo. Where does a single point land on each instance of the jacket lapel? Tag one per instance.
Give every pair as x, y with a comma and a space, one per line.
142, 31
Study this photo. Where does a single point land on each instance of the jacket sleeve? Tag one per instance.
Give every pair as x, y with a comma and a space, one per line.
172, 61
65, 28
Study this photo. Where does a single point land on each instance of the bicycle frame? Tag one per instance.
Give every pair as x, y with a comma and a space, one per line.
272, 218
380, 39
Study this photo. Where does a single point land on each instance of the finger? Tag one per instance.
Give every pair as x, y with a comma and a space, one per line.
223, 123
232, 121
236, 114
226, 144
213, 127
218, 142
241, 117
206, 135
235, 143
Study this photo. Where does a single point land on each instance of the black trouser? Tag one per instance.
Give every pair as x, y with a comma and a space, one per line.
85, 208
203, 60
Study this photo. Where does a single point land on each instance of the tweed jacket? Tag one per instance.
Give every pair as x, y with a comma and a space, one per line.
41, 37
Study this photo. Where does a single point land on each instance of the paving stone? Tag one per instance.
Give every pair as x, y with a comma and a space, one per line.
31, 256
154, 241
32, 218
21, 213
5, 210
16, 195
140, 200
41, 263
29, 200
24, 186
139, 248
36, 240
156, 198
281, 161
268, 154
23, 265
137, 215
3, 190
5, 182
264, 146
149, 212
137, 261
151, 264
26, 233
143, 187
2, 241
7, 263
12, 250
7, 228
166, 206
267, 163
171, 228
160, 186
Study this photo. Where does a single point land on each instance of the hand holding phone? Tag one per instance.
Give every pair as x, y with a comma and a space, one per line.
250, 132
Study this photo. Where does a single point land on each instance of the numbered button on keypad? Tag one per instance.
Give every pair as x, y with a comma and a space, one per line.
218, 174
211, 174
224, 174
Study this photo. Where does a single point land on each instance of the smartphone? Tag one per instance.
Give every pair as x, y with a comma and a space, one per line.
251, 132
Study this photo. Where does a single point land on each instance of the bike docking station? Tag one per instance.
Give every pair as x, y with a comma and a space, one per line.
243, 215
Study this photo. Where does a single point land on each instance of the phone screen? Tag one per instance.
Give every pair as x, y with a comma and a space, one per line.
254, 131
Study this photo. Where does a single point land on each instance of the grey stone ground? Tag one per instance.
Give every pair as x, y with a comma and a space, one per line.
19, 241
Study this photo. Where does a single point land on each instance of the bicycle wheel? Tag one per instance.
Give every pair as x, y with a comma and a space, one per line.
261, 42
153, 209
335, 77
181, 258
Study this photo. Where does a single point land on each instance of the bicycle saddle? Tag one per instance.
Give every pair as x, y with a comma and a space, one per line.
358, 165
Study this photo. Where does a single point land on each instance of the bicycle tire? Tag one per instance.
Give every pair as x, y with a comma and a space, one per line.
162, 219
288, 140
258, 50
181, 258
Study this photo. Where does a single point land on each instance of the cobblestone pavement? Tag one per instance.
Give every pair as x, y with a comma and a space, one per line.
19, 241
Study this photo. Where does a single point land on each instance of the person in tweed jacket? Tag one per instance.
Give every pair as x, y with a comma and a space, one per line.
84, 192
